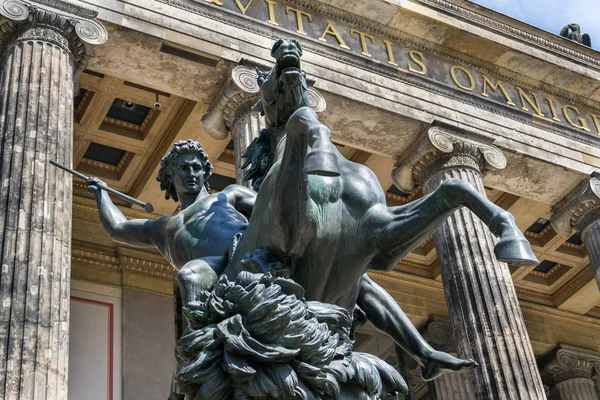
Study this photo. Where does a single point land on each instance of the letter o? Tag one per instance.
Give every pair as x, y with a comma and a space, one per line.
467, 73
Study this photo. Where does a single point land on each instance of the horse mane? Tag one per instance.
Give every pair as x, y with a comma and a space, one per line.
259, 156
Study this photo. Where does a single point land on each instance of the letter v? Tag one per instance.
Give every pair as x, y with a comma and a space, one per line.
241, 7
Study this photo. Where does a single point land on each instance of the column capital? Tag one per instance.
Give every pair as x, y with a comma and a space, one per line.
241, 95
445, 147
570, 362
440, 334
579, 208
69, 24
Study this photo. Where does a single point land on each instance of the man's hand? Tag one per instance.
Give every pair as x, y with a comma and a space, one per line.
92, 184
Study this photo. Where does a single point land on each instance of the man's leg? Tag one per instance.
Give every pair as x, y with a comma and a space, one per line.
385, 314
193, 278
199, 275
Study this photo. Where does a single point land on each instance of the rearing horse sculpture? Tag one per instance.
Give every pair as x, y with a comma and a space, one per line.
332, 229
323, 219
327, 216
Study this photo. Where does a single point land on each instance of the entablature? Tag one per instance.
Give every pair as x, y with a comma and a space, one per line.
410, 80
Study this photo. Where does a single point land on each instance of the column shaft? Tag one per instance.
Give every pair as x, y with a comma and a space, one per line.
574, 389
36, 113
482, 302
451, 387
245, 129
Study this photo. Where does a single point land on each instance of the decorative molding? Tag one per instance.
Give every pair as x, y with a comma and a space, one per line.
531, 293
95, 259
417, 266
139, 129
129, 213
148, 268
407, 282
557, 267
226, 17
512, 31
539, 235
416, 194
118, 169
447, 144
570, 283
124, 263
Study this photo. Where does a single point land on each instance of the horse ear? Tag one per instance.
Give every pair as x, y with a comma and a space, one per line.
298, 45
587, 40
275, 47
262, 76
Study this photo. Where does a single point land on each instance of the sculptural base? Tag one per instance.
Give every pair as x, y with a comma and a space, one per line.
257, 337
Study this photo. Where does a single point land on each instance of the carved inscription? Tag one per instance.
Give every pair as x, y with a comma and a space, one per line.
393, 54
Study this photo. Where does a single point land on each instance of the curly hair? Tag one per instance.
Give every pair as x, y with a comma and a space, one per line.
165, 173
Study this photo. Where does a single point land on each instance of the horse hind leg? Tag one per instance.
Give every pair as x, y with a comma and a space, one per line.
512, 247
321, 158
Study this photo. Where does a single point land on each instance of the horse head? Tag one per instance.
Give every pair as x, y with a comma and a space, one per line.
283, 90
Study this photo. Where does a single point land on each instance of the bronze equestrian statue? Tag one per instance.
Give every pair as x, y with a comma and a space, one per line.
323, 219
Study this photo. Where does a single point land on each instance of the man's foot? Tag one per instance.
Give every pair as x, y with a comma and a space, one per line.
439, 363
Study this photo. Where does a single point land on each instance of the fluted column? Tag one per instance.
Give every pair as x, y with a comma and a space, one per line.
43, 50
580, 211
245, 129
440, 335
570, 373
482, 302
237, 111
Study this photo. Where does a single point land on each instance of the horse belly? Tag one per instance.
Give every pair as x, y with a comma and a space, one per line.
334, 260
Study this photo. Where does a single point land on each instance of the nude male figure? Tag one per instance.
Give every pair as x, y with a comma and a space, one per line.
195, 240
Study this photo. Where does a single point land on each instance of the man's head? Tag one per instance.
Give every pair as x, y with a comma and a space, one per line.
185, 169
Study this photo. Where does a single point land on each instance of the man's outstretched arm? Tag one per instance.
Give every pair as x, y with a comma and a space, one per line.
137, 232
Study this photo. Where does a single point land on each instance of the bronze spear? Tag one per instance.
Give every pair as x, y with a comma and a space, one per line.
146, 206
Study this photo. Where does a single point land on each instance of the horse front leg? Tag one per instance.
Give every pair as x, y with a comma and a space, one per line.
405, 227
322, 157
289, 202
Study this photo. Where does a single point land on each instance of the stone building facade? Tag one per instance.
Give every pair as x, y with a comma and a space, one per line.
417, 90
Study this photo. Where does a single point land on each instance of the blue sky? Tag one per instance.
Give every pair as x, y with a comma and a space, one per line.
552, 15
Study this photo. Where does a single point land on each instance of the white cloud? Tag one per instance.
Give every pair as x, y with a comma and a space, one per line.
552, 15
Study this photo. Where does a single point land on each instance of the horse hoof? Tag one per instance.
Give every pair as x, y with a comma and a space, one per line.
322, 163
516, 251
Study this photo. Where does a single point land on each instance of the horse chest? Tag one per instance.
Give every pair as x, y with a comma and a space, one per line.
324, 190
